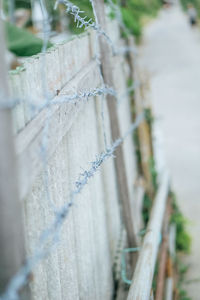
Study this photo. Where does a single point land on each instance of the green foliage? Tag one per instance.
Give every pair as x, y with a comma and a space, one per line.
27, 4
17, 4
149, 119
154, 283
85, 6
147, 204
22, 42
183, 239
147, 201
132, 22
183, 295
137, 150
153, 172
148, 116
134, 12
181, 270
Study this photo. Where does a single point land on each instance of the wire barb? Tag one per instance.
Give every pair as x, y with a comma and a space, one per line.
50, 236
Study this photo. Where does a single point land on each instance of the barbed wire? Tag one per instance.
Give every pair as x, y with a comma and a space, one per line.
50, 236
85, 22
61, 99
64, 98
21, 278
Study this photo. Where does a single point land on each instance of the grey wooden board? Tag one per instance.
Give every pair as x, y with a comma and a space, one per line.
29, 140
91, 237
109, 184
52, 71
107, 69
128, 146
143, 275
80, 267
169, 289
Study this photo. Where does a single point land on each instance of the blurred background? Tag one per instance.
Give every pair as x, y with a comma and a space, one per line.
167, 35
26, 19
170, 55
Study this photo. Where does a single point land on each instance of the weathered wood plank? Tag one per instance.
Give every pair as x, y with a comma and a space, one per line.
44, 74
115, 129
163, 255
169, 289
90, 235
111, 197
143, 275
29, 140
123, 109
90, 224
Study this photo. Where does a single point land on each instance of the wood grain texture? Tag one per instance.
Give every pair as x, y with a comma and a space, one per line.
81, 265
29, 140
115, 129
143, 275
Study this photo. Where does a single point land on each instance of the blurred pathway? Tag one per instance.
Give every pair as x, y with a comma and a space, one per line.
171, 54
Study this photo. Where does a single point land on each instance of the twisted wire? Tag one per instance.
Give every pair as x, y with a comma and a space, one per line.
50, 236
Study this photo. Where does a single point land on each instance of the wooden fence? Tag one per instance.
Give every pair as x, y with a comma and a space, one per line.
52, 147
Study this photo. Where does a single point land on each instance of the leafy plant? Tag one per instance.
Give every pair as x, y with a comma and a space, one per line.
84, 6
183, 239
181, 271
22, 42
148, 116
147, 204
134, 12
153, 173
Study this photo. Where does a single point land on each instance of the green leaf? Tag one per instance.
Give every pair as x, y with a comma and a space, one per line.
22, 42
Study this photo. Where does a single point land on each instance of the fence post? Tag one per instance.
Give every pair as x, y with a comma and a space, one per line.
12, 250
106, 58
